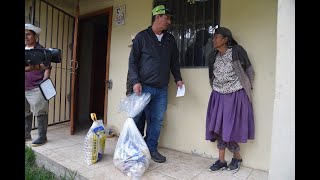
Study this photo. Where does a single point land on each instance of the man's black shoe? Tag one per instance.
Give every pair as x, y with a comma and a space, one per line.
157, 157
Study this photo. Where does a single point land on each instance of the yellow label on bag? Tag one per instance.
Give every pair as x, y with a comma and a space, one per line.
103, 141
94, 148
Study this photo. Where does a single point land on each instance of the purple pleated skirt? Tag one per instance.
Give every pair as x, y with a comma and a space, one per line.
230, 117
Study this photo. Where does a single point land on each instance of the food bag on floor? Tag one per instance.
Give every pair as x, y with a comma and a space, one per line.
131, 154
94, 143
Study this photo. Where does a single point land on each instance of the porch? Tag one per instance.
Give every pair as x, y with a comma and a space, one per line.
63, 154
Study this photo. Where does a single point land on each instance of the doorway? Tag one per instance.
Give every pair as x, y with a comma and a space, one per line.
92, 69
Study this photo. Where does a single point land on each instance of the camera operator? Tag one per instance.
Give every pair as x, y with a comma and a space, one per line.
35, 103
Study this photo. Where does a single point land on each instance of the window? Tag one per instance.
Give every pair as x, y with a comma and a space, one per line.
192, 26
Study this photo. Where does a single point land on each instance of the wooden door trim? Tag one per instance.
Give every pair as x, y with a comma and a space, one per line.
73, 71
96, 13
109, 10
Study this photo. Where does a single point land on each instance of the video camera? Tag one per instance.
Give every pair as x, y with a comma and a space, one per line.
42, 56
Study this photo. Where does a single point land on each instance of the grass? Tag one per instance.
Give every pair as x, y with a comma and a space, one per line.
33, 172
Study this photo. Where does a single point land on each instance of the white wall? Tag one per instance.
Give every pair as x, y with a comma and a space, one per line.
282, 162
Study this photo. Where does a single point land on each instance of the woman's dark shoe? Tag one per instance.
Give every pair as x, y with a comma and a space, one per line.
234, 165
218, 165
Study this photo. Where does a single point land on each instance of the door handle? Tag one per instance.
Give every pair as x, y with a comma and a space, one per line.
109, 83
76, 66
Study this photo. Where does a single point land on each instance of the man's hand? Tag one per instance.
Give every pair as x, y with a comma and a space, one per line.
137, 88
34, 67
180, 83
28, 68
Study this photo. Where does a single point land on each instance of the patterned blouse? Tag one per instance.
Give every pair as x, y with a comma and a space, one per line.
225, 80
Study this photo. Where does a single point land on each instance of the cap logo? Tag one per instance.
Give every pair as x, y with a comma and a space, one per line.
161, 9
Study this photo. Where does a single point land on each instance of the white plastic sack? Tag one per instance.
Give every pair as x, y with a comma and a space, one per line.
94, 143
131, 155
134, 104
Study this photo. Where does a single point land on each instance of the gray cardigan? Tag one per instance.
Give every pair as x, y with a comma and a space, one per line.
242, 67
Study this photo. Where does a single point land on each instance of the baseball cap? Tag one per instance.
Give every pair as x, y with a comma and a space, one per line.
161, 9
223, 31
226, 32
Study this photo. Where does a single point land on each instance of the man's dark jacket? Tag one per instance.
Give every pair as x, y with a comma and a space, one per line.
150, 60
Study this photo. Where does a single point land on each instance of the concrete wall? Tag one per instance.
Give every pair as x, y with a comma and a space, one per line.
282, 162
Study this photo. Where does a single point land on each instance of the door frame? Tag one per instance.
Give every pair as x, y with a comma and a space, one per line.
74, 86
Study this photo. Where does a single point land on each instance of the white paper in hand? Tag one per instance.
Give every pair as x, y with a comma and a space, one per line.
181, 91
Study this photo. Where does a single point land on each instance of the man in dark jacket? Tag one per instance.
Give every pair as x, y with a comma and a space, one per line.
153, 55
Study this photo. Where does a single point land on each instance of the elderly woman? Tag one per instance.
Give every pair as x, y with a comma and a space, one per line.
230, 114
35, 103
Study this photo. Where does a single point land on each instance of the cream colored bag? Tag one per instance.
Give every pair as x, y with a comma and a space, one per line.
94, 143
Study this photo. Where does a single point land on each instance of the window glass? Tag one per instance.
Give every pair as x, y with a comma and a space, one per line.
192, 26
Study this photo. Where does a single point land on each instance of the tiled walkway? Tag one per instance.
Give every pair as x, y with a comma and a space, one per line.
64, 154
